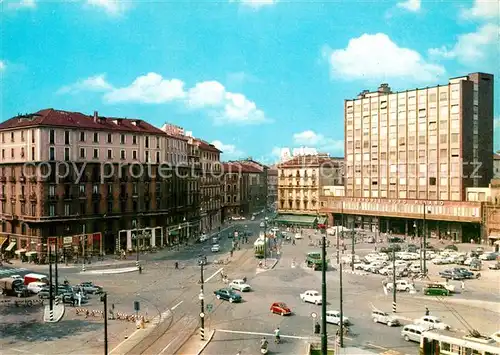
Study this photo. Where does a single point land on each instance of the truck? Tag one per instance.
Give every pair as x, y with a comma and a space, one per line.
13, 287
315, 261
29, 278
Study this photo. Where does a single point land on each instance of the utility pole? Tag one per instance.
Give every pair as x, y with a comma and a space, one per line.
84, 240
352, 246
104, 299
265, 241
324, 338
202, 303
425, 241
341, 310
137, 243
341, 232
394, 279
56, 271
51, 296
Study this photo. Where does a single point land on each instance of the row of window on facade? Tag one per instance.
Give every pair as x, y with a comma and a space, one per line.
149, 142
411, 110
403, 194
297, 204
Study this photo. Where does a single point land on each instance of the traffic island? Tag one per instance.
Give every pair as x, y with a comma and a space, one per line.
269, 265
194, 345
55, 314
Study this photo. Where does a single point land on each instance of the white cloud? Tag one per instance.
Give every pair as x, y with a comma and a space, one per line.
377, 57
471, 47
256, 4
229, 150
410, 5
239, 78
96, 83
310, 138
150, 88
2, 65
21, 4
112, 7
482, 9
207, 93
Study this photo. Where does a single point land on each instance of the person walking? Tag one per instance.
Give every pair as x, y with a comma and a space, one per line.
79, 298
427, 312
462, 286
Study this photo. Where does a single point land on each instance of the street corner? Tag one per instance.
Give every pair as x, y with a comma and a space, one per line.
195, 345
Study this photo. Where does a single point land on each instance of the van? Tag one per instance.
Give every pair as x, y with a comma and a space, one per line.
413, 332
29, 278
13, 287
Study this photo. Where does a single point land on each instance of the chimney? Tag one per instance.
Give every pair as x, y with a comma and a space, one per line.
96, 116
384, 88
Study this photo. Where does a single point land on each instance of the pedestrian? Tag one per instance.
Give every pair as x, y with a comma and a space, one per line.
463, 286
176, 264
293, 241
79, 298
427, 311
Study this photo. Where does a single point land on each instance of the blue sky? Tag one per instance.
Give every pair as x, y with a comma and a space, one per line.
251, 76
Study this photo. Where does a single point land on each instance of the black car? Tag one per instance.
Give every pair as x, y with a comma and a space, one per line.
466, 273
451, 275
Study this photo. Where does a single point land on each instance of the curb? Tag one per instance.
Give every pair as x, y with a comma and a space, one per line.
111, 271
361, 273
210, 337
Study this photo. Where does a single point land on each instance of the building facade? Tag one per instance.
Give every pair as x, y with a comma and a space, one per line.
301, 182
496, 165
67, 175
272, 187
210, 186
412, 155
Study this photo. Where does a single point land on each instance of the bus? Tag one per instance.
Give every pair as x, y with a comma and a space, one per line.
435, 342
315, 261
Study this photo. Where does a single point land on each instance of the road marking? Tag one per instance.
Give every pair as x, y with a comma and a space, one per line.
177, 305
214, 274
257, 333
168, 345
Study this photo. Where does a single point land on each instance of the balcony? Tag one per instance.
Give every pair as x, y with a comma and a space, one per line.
3, 179
22, 179
22, 197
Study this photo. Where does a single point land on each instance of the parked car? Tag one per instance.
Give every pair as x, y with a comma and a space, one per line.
384, 318
451, 274
280, 308
239, 285
413, 332
311, 296
488, 256
333, 317
432, 322
466, 273
227, 294
32, 277
298, 236
495, 266
436, 289
415, 268
215, 248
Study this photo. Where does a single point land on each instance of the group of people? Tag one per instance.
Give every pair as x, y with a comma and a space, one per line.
264, 343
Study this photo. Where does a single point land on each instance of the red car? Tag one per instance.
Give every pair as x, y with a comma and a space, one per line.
280, 308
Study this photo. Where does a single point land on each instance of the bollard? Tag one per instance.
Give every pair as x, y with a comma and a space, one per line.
202, 333
51, 315
393, 307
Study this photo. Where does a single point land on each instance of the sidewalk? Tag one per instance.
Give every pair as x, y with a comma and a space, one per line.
194, 345
110, 261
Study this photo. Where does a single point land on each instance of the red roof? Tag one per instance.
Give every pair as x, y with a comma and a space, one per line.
207, 146
58, 118
238, 167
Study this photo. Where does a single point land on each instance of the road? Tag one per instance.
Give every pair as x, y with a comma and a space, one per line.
159, 288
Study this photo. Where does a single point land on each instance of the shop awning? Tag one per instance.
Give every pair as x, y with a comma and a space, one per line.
302, 220
2, 240
11, 245
20, 251
494, 236
30, 253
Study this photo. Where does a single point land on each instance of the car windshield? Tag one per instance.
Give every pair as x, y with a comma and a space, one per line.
282, 305
314, 294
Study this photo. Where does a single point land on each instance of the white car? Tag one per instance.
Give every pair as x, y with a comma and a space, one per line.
415, 268
333, 317
298, 236
262, 224
215, 248
35, 287
348, 259
240, 285
16, 277
203, 238
401, 285
432, 322
311, 296
385, 318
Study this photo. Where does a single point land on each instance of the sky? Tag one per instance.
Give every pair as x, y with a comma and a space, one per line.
249, 76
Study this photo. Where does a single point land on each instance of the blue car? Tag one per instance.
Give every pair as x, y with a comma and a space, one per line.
227, 295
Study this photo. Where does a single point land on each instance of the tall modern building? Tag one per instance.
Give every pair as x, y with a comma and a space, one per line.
426, 144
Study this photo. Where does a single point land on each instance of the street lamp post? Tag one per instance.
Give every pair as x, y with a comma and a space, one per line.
265, 241
425, 241
104, 300
202, 300
83, 251
137, 264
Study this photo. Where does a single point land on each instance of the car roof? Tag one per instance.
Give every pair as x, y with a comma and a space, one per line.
237, 280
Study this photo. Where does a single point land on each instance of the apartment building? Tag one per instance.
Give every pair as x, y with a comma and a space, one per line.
66, 174
210, 186
300, 184
496, 165
272, 187
411, 155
